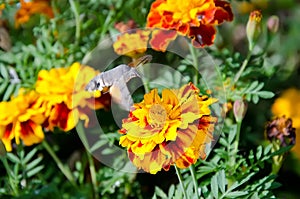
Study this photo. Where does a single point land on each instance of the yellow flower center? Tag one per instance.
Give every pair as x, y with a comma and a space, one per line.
157, 115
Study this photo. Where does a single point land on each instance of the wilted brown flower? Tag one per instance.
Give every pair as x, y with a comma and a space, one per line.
281, 128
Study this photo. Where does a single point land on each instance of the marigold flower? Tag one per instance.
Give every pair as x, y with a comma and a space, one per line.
29, 8
22, 119
281, 129
288, 104
132, 44
67, 100
125, 27
195, 19
168, 130
2, 7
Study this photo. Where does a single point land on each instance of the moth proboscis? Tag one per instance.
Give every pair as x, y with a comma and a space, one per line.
116, 79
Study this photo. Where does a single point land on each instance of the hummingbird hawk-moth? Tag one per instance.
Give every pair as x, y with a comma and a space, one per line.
116, 80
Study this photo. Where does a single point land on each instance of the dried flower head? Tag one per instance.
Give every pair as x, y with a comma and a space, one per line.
281, 129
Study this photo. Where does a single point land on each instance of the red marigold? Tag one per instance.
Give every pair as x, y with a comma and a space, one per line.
195, 19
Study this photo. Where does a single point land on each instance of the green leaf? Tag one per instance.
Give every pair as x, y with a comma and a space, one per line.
3, 86
259, 87
190, 189
98, 144
268, 149
252, 86
4, 72
160, 192
8, 92
282, 150
222, 180
255, 196
236, 194
34, 163
223, 142
13, 158
255, 99
108, 151
259, 152
265, 94
171, 191
7, 57
214, 186
30, 155
154, 197
35, 171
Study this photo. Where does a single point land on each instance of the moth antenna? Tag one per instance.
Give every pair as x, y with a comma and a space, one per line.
140, 61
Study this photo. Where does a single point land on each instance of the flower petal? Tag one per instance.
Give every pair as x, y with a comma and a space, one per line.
161, 38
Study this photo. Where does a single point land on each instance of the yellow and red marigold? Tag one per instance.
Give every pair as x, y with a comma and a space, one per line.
67, 100
59, 100
168, 130
22, 119
132, 44
29, 8
195, 19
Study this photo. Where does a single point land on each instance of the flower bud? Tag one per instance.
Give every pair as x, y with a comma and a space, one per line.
273, 24
253, 28
239, 110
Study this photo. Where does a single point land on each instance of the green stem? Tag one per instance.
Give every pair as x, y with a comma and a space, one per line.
181, 182
237, 138
276, 166
235, 150
193, 173
93, 173
277, 159
13, 184
77, 20
195, 64
65, 170
92, 169
245, 63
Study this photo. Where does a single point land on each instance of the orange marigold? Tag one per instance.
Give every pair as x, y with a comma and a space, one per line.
167, 130
29, 8
195, 19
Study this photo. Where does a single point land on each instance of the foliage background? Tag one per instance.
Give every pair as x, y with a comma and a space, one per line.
77, 28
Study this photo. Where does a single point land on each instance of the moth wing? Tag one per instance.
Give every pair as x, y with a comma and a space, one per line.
5, 42
120, 94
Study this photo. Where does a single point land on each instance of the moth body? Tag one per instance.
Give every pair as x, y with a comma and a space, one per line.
116, 80
108, 78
